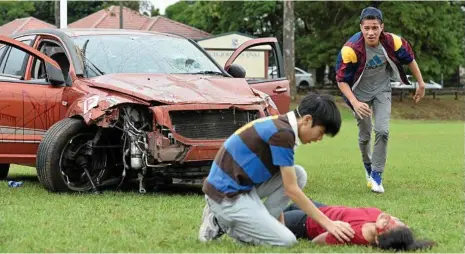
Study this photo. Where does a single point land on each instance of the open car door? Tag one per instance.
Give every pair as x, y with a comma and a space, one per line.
27, 107
265, 72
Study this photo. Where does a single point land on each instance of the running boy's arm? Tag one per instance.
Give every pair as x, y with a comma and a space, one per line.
413, 66
341, 230
345, 70
420, 92
360, 108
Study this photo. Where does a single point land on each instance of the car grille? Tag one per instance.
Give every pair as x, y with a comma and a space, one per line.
210, 124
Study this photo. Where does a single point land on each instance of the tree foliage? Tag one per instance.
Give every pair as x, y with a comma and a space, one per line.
12, 10
255, 18
44, 10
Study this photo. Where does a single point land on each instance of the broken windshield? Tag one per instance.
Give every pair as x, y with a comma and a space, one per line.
142, 54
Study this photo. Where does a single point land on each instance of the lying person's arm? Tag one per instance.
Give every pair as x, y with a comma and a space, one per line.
320, 239
326, 239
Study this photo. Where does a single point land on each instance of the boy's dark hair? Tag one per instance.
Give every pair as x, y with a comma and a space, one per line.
371, 13
371, 17
323, 110
401, 239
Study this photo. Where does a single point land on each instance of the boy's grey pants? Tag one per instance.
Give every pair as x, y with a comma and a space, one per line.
381, 110
249, 220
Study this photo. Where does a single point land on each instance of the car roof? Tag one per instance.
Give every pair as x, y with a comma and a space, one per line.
75, 32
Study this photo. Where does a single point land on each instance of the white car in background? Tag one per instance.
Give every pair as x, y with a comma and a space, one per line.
428, 85
303, 79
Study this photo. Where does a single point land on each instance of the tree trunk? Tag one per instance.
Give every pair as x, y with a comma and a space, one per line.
288, 45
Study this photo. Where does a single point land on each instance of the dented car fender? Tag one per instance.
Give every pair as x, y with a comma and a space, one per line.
269, 104
100, 108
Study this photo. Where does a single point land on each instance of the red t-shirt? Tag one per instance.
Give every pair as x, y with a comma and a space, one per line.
356, 217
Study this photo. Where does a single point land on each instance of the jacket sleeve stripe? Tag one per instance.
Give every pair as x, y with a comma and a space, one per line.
397, 42
348, 55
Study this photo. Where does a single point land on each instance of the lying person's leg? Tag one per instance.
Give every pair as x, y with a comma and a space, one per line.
291, 207
295, 221
294, 206
318, 204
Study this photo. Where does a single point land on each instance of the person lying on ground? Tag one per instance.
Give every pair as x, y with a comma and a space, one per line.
372, 227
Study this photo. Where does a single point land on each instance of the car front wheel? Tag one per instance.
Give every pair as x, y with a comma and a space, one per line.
66, 160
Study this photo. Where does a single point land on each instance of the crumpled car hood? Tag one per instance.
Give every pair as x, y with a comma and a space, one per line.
174, 89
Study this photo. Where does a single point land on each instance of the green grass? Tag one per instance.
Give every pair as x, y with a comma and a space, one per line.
424, 182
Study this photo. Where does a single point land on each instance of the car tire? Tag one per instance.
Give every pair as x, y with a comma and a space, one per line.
4, 169
303, 86
49, 152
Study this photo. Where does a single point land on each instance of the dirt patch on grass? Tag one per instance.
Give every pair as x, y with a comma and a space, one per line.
441, 108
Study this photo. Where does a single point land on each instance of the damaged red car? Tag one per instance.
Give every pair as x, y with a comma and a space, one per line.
99, 108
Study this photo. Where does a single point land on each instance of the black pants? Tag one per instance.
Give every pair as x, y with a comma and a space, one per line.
295, 219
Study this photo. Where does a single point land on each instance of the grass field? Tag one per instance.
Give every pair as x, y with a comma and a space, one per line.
424, 182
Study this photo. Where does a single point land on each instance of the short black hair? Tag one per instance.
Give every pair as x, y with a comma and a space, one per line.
371, 17
371, 13
323, 110
401, 239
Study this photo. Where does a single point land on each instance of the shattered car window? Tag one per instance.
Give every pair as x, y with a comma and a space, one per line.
104, 54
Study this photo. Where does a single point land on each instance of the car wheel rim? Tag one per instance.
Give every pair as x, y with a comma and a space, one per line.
73, 175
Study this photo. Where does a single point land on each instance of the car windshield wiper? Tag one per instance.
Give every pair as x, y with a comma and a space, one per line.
208, 73
95, 67
86, 60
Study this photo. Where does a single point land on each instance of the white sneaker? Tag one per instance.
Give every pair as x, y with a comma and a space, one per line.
375, 187
209, 229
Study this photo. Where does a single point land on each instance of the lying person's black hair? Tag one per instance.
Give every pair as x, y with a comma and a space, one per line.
402, 239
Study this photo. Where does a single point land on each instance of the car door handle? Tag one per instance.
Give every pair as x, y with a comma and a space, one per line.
280, 90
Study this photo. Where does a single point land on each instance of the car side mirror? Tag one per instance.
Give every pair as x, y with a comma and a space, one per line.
236, 71
54, 75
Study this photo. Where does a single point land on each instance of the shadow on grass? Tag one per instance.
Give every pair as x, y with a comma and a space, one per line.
172, 189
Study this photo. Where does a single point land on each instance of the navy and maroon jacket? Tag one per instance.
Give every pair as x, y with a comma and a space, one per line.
352, 57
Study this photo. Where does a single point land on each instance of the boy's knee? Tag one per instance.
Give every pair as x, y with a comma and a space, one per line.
288, 239
364, 139
382, 133
301, 176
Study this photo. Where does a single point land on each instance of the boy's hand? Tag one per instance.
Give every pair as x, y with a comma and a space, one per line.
420, 93
341, 230
361, 109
